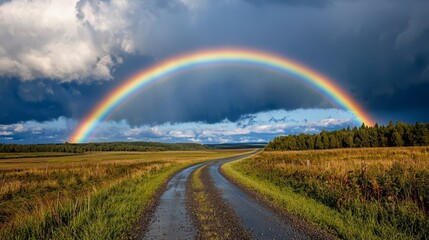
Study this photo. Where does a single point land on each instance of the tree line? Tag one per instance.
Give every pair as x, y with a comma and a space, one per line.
391, 135
107, 146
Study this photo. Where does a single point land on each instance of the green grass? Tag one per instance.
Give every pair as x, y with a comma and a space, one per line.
210, 221
204, 210
102, 214
100, 198
353, 194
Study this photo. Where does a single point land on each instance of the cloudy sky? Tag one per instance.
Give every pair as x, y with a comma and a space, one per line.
59, 58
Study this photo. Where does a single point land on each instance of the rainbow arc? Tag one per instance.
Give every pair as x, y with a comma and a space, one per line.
180, 63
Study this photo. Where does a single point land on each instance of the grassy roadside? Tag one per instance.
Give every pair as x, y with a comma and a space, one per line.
103, 213
101, 198
323, 188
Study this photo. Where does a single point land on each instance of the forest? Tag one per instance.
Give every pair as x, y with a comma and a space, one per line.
107, 146
391, 135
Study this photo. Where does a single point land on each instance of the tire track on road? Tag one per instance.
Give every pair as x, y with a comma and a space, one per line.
171, 219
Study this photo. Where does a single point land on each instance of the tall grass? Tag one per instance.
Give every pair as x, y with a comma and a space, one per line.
353, 193
98, 198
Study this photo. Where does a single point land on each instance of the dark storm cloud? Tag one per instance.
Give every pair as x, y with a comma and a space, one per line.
212, 95
24, 101
45, 99
376, 50
401, 97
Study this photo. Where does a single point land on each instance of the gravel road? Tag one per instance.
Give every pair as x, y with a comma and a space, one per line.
172, 219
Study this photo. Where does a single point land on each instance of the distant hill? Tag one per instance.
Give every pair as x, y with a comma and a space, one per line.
105, 146
236, 145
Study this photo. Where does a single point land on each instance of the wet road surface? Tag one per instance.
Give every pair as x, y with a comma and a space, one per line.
260, 221
171, 220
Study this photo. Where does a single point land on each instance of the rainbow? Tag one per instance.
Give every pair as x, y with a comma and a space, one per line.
176, 64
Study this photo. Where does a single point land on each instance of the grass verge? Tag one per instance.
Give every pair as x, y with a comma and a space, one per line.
102, 214
204, 210
303, 187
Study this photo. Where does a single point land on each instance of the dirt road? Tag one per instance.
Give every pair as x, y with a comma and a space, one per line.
173, 219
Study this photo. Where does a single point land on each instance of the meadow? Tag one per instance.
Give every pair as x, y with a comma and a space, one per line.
79, 196
364, 193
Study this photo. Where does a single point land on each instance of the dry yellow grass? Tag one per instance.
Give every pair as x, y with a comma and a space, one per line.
355, 193
31, 187
342, 161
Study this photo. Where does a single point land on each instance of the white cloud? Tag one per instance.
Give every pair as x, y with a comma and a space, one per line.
70, 39
181, 134
56, 130
261, 129
19, 128
44, 39
5, 133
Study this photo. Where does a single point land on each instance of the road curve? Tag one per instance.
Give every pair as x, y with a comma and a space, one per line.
170, 219
257, 219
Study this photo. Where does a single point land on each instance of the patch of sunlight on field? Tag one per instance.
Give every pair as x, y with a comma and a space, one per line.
17, 161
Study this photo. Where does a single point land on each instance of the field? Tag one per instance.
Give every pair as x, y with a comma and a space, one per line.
366, 193
63, 195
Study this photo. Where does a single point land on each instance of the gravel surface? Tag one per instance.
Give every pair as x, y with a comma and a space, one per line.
243, 214
227, 224
166, 216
